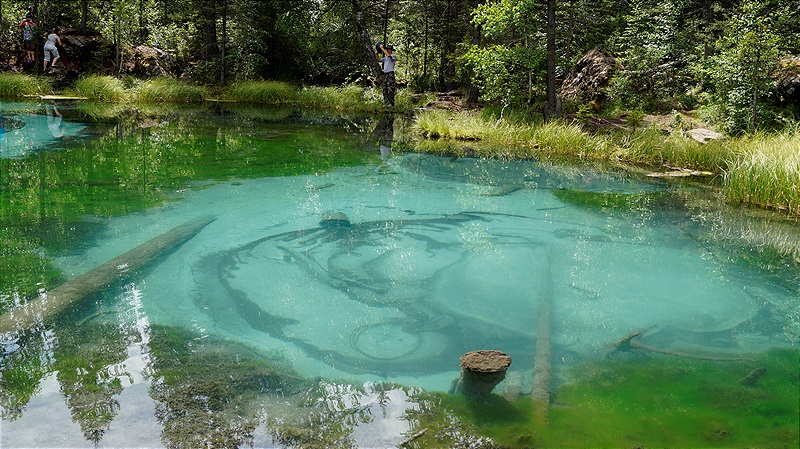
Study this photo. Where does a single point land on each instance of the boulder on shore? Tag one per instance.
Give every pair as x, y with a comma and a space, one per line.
703, 135
79, 47
147, 62
590, 77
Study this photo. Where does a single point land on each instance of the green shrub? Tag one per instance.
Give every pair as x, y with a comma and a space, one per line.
100, 88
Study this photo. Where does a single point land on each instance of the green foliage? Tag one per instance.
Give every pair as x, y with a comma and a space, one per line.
15, 85
739, 72
100, 88
649, 50
585, 113
168, 90
502, 72
634, 118
508, 67
760, 170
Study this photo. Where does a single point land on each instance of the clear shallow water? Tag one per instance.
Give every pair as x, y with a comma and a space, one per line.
436, 257
25, 131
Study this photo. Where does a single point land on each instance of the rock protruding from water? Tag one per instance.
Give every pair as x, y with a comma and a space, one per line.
481, 371
589, 78
334, 219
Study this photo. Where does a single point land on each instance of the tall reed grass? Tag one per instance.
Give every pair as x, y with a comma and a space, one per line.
339, 98
345, 98
17, 85
169, 90
767, 172
261, 92
513, 140
100, 88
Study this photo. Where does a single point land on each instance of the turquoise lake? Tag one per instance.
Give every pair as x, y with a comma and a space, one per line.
342, 275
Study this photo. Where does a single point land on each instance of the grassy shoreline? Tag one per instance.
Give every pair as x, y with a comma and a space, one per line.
761, 170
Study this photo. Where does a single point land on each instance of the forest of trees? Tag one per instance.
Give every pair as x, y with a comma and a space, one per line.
737, 58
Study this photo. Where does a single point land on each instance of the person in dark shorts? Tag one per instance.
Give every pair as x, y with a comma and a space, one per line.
389, 83
28, 25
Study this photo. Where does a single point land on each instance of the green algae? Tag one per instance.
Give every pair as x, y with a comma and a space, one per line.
658, 402
601, 201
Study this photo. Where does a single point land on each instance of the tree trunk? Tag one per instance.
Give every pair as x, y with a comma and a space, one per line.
570, 32
386, 22
2, 39
208, 28
476, 40
84, 13
754, 115
224, 42
142, 28
551, 109
366, 41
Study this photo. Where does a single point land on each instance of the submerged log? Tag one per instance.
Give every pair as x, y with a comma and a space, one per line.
542, 367
481, 371
49, 303
751, 378
513, 388
629, 344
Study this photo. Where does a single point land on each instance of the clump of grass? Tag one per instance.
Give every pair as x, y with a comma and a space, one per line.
170, 90
514, 139
768, 171
262, 92
100, 88
345, 98
17, 85
652, 147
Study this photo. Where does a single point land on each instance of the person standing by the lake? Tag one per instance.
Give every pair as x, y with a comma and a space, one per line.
28, 25
389, 83
50, 49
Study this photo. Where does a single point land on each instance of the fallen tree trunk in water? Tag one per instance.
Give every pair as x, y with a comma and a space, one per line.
49, 303
542, 368
629, 343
